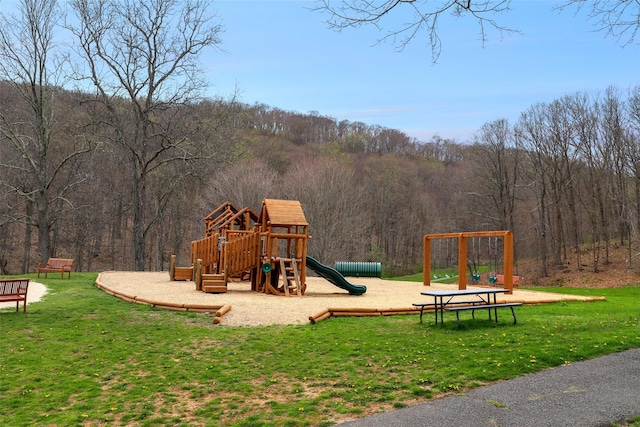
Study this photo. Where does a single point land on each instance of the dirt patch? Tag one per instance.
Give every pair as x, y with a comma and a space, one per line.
613, 271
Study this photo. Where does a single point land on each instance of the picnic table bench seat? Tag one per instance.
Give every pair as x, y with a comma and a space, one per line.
510, 305
14, 290
424, 305
56, 265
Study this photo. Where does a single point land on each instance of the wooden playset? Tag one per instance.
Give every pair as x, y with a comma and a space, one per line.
268, 249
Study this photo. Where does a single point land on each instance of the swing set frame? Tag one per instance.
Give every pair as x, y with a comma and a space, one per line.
507, 258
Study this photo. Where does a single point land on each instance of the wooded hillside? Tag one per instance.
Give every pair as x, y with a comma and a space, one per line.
565, 179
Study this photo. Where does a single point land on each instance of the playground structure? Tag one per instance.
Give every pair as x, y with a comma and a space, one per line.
507, 278
270, 250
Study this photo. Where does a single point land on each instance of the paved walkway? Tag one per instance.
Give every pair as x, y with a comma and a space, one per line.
583, 394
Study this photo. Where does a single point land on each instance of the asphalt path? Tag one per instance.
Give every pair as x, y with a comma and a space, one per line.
589, 393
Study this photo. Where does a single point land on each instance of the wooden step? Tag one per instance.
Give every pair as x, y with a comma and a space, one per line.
214, 283
213, 276
183, 273
214, 289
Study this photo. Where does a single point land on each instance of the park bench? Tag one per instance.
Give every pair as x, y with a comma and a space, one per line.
56, 265
424, 305
14, 290
488, 307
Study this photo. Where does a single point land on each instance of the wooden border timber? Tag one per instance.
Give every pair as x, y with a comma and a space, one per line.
462, 255
361, 312
219, 310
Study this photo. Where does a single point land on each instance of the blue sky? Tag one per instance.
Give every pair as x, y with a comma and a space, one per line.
282, 54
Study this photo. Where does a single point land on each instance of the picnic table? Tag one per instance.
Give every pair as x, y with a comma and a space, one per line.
484, 299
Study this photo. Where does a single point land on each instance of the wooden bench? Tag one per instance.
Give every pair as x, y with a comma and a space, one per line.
424, 305
14, 290
56, 265
495, 307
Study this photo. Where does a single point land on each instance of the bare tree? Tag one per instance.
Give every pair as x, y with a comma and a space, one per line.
497, 164
41, 159
594, 159
142, 58
532, 137
618, 19
245, 184
559, 154
614, 131
393, 187
634, 151
563, 158
420, 16
333, 206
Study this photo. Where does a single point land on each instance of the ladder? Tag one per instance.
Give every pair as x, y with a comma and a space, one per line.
290, 276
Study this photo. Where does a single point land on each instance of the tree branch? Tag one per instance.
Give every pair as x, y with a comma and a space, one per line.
421, 16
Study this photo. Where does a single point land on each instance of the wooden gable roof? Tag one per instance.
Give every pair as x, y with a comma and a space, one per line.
226, 209
282, 213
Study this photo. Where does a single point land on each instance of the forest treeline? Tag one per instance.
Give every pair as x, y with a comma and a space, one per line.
565, 178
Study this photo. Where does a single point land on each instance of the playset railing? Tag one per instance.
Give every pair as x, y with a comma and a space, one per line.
207, 250
241, 251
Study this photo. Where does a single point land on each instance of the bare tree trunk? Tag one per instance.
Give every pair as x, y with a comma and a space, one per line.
542, 235
139, 204
26, 251
44, 231
575, 231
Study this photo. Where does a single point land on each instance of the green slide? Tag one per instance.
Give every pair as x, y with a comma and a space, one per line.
334, 276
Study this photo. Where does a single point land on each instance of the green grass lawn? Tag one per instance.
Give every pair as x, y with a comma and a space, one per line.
83, 357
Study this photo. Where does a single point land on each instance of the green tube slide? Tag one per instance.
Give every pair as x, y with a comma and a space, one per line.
333, 276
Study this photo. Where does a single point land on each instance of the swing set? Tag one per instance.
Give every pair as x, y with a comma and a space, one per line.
481, 255
444, 254
463, 243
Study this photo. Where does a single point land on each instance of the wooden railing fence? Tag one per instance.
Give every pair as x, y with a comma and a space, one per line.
207, 250
241, 253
